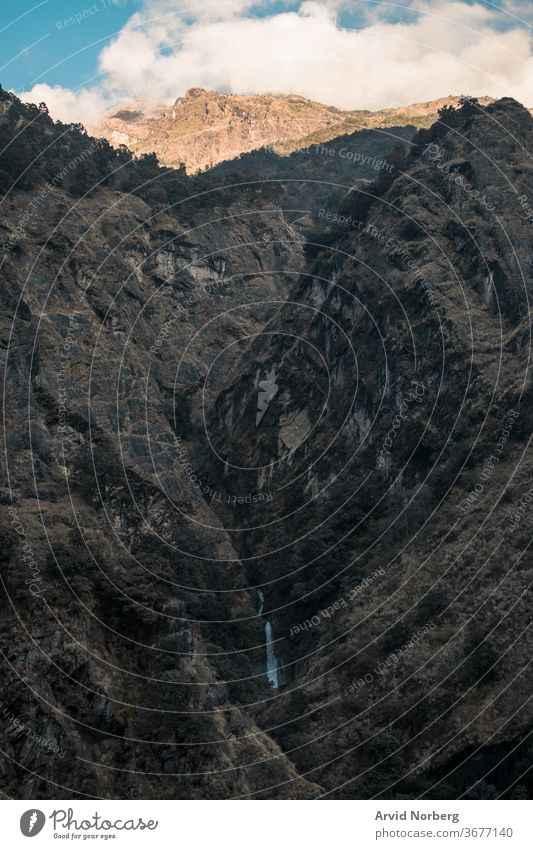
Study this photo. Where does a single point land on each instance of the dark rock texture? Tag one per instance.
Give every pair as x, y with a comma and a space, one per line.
198, 405
124, 594
397, 440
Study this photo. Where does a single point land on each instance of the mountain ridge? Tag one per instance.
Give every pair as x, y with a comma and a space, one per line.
203, 128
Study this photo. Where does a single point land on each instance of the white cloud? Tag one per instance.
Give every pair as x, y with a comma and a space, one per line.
66, 105
449, 48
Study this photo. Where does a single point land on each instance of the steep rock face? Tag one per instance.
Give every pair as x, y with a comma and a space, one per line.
214, 439
203, 128
316, 178
124, 594
395, 400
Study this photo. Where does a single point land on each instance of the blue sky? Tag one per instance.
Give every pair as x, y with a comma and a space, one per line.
351, 53
36, 47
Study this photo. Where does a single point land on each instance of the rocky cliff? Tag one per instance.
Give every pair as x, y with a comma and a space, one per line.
123, 592
394, 553
229, 453
203, 128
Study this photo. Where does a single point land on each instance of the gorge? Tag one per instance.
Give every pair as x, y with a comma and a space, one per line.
226, 413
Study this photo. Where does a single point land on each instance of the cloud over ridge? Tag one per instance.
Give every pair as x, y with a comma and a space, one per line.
351, 55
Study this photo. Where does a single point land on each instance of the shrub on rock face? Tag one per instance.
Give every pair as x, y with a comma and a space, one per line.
398, 635
432, 605
482, 659
182, 415
98, 468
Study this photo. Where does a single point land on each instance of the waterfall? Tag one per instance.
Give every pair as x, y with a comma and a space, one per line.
272, 661
275, 675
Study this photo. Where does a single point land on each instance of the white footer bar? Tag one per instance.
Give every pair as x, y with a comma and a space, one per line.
268, 824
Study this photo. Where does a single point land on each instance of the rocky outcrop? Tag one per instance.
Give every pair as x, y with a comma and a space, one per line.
203, 128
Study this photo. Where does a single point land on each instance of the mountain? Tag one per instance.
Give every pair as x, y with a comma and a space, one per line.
264, 510
315, 179
395, 441
111, 271
204, 128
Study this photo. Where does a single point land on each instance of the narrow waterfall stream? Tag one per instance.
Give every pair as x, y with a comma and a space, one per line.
273, 672
272, 661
